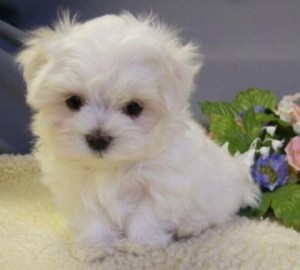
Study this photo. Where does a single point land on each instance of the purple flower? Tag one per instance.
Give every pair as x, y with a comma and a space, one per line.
259, 109
270, 172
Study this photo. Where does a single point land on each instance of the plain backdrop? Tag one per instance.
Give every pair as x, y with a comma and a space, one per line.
246, 43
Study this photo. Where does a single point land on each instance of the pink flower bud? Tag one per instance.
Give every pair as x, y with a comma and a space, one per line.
293, 153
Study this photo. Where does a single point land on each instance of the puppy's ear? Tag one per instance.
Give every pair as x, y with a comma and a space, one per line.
186, 62
34, 55
39, 49
183, 61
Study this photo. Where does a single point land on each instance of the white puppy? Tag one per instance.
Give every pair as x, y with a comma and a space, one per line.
115, 138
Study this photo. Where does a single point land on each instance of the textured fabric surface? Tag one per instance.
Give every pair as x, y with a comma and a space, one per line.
34, 236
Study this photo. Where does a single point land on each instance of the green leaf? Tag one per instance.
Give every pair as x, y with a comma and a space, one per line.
261, 211
243, 101
252, 124
225, 129
286, 204
265, 118
253, 97
265, 204
219, 108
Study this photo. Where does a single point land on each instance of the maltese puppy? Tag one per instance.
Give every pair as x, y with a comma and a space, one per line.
116, 141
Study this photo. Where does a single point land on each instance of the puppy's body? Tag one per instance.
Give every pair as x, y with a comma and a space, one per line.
149, 172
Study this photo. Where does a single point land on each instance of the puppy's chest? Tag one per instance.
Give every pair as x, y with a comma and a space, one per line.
120, 194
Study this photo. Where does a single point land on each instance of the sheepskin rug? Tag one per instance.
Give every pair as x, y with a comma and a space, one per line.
34, 236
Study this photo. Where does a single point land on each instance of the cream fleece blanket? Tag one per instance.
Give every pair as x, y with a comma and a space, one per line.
34, 236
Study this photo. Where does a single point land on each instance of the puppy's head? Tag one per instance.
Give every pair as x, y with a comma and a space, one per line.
114, 87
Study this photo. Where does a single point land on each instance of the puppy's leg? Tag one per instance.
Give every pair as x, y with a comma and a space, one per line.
144, 232
191, 227
96, 240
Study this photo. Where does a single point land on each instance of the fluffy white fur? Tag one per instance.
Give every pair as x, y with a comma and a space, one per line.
161, 176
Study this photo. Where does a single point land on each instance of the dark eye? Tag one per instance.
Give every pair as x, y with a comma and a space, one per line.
74, 102
133, 109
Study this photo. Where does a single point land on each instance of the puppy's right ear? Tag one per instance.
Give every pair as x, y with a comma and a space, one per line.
37, 48
40, 48
34, 55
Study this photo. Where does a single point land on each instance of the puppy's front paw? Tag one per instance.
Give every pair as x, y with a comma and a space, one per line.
138, 249
140, 246
190, 229
127, 246
93, 253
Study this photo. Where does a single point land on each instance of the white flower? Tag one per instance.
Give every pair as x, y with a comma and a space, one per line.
288, 109
284, 109
264, 151
271, 130
276, 144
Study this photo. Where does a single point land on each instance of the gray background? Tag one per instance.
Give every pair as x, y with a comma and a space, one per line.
247, 43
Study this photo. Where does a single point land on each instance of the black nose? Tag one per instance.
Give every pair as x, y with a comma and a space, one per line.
98, 141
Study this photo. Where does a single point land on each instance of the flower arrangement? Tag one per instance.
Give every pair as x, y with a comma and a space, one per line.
267, 134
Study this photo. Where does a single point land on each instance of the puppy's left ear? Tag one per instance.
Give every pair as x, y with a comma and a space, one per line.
184, 62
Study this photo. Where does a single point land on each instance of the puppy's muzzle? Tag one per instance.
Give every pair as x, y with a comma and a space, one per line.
98, 141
